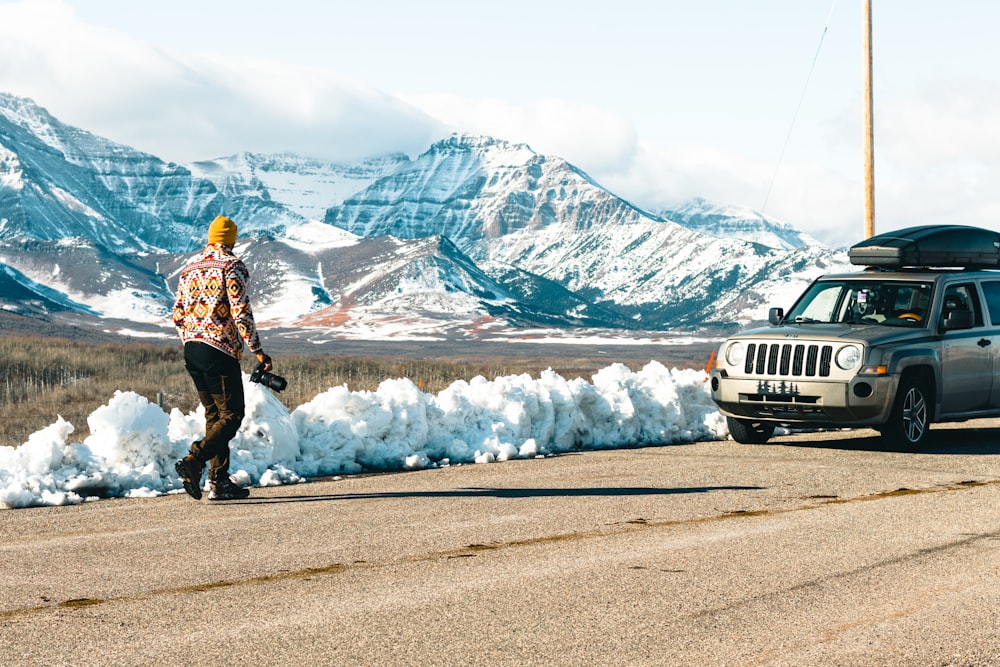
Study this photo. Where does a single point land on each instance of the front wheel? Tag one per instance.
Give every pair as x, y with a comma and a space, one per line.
910, 418
749, 431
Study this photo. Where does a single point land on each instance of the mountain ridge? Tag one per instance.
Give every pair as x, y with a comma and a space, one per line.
473, 230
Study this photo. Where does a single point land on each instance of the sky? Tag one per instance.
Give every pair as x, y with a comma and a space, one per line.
132, 444
754, 104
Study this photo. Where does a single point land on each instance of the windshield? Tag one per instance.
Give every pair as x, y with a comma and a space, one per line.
896, 304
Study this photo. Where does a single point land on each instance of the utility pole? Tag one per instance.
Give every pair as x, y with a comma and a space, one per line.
869, 127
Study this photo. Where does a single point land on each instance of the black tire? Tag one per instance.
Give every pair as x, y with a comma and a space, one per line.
749, 431
910, 418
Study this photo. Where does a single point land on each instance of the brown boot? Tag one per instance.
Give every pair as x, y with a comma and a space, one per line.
226, 489
190, 471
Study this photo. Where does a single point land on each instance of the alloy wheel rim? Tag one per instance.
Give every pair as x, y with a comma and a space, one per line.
914, 415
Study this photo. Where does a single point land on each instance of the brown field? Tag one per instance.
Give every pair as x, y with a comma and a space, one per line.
42, 377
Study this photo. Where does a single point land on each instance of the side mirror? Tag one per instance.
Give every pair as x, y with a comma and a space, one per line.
957, 319
775, 315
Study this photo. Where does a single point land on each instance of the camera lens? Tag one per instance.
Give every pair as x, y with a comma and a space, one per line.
276, 382
270, 380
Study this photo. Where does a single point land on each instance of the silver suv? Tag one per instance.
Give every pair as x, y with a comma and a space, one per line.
911, 340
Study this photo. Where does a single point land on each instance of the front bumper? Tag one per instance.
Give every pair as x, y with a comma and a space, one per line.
864, 400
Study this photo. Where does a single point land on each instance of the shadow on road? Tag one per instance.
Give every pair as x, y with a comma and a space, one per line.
945, 439
507, 493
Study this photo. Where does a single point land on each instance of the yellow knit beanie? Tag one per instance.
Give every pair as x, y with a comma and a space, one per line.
222, 230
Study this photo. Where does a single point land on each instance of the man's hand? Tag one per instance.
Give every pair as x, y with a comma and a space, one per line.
264, 359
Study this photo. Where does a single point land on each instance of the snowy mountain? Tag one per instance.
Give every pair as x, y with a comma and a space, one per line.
307, 187
738, 222
58, 182
473, 189
475, 235
505, 205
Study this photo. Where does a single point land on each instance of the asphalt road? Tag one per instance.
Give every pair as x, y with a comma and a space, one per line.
816, 549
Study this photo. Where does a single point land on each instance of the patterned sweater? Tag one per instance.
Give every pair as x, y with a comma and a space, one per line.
213, 305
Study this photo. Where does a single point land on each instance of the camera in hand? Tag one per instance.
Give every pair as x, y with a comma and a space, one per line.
269, 380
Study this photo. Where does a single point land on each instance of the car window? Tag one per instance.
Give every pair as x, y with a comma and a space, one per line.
963, 296
991, 288
823, 305
864, 301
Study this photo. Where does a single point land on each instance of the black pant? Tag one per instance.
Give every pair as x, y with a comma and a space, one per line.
219, 381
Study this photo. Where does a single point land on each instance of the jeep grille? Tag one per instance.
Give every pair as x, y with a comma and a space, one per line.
793, 360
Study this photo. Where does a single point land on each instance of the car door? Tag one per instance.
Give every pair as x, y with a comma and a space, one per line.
991, 297
967, 355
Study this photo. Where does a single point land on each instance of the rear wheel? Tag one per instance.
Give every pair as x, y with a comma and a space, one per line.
910, 418
749, 431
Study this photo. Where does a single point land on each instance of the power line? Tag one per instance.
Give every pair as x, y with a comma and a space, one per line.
798, 107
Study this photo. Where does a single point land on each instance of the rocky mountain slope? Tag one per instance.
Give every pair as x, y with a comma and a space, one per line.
474, 235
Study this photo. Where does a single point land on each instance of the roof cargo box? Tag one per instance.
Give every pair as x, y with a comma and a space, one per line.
931, 245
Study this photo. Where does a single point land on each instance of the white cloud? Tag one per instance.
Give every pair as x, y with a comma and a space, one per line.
942, 122
185, 108
606, 146
937, 155
660, 178
937, 143
583, 134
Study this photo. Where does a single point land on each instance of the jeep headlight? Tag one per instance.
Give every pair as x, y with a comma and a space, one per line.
848, 357
735, 353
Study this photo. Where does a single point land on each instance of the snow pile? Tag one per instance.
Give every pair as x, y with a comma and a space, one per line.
133, 443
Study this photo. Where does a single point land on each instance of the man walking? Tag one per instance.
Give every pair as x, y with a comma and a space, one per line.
213, 317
